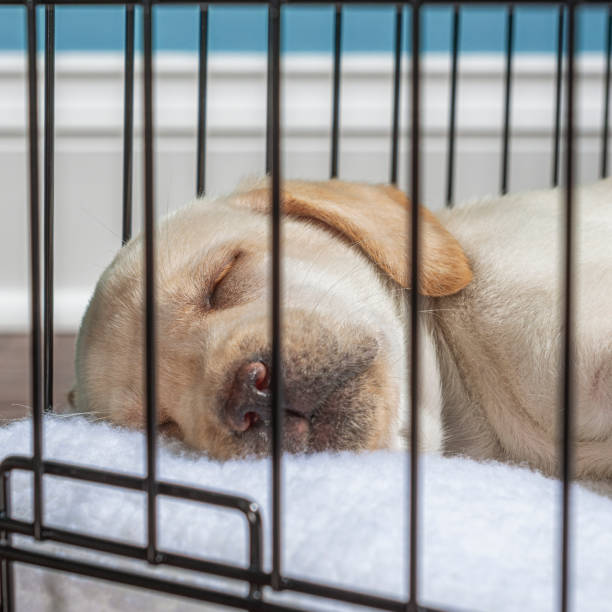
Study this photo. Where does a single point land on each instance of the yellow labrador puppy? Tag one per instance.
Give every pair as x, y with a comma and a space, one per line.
490, 326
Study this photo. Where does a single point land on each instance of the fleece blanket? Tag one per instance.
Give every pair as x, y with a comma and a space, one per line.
488, 536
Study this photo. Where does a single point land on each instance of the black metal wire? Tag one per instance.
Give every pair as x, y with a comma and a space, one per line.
606, 114
450, 168
35, 337
202, 100
568, 315
248, 508
128, 123
150, 390
397, 72
49, 207
7, 587
413, 364
507, 92
139, 580
346, 595
276, 383
558, 83
181, 589
335, 130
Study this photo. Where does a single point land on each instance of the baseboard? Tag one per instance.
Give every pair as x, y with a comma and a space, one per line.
15, 311
89, 94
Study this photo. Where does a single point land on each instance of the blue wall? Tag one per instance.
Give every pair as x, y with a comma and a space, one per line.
305, 29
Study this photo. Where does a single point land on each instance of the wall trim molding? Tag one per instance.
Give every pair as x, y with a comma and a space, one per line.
69, 307
89, 94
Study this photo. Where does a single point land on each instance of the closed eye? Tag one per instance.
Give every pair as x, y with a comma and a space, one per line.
213, 295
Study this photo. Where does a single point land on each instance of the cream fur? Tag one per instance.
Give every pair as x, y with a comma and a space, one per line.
489, 352
322, 276
499, 341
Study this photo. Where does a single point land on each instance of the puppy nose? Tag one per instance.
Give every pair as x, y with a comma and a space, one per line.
248, 402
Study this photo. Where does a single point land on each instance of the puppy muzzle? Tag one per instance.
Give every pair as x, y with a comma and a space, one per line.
320, 376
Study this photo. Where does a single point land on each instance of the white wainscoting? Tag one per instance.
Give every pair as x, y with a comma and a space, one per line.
89, 113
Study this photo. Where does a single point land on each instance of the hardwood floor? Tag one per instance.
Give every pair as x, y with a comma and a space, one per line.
15, 373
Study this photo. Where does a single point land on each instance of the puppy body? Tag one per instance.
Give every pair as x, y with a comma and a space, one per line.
490, 326
499, 340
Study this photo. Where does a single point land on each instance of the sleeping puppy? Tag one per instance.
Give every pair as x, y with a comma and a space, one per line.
490, 326
343, 335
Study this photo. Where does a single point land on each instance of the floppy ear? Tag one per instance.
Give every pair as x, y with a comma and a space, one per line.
373, 217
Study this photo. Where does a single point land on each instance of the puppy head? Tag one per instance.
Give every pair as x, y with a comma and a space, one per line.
342, 341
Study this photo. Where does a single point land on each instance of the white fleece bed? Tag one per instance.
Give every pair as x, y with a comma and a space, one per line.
489, 534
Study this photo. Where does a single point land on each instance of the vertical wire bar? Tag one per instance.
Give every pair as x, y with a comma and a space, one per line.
128, 123
507, 92
450, 168
35, 337
336, 91
202, 99
414, 303
7, 590
255, 550
150, 344
558, 82
48, 199
606, 114
567, 382
276, 365
397, 71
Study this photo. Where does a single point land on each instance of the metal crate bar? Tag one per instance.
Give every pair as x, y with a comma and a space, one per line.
507, 93
335, 129
150, 391
397, 72
558, 82
128, 124
131, 551
248, 508
166, 586
568, 316
202, 99
152, 583
298, 586
48, 204
35, 337
452, 120
252, 575
276, 382
413, 258
7, 589
353, 597
135, 483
